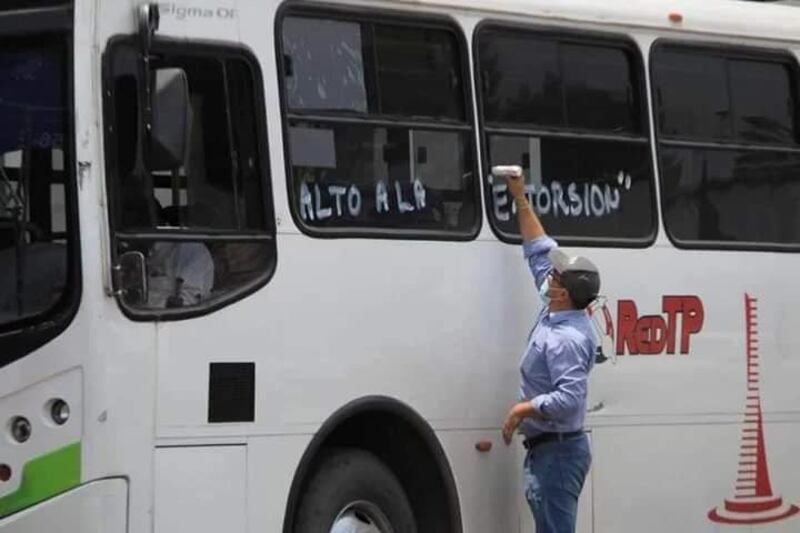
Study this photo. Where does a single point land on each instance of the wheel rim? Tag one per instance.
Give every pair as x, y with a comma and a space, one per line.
361, 517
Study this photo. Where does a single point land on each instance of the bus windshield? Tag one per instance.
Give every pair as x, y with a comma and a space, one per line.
34, 247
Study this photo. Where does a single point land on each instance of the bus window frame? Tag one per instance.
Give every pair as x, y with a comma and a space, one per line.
19, 21
413, 20
21, 337
726, 51
586, 38
207, 49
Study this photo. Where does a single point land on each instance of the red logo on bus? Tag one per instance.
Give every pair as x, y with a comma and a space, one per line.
753, 501
656, 334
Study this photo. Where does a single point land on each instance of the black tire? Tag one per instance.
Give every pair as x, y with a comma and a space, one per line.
355, 479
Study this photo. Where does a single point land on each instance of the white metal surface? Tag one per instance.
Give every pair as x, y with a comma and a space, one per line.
201, 488
98, 507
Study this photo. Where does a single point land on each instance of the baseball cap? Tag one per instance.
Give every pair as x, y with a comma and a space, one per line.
578, 274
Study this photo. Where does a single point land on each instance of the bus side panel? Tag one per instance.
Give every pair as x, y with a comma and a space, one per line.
98, 507
271, 466
488, 484
663, 479
200, 488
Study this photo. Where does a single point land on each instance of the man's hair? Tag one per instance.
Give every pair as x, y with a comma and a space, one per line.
582, 305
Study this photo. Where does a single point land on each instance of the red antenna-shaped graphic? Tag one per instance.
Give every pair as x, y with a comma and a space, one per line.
753, 501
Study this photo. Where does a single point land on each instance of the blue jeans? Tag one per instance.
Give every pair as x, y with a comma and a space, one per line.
554, 475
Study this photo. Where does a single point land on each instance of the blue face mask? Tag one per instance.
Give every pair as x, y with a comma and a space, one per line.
543, 290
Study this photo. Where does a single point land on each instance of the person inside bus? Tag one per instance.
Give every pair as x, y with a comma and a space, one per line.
179, 273
554, 374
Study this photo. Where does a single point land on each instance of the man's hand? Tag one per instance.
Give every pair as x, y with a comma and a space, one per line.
514, 418
516, 185
510, 425
530, 227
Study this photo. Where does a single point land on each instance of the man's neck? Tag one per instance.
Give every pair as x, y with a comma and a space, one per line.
556, 307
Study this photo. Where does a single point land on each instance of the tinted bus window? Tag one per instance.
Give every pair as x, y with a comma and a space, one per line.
728, 146
692, 96
569, 111
40, 278
204, 227
520, 91
35, 244
379, 141
763, 102
598, 89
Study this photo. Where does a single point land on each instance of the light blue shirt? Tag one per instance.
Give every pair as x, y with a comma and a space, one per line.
560, 353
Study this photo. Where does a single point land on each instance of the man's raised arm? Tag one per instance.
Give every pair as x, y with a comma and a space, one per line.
529, 225
535, 242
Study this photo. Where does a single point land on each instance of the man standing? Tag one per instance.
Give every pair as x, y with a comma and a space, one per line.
554, 369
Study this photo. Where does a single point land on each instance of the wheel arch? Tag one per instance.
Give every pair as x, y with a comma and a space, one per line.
401, 438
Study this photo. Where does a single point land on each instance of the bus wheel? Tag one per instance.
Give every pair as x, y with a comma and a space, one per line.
352, 491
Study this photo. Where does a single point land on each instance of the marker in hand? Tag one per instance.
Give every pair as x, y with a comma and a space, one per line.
514, 179
507, 171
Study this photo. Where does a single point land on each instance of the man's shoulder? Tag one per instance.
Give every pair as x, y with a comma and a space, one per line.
574, 333
539, 247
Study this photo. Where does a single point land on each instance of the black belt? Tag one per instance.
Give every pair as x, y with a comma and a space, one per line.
532, 442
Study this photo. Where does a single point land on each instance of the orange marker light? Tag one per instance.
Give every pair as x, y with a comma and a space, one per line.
5, 473
675, 18
483, 445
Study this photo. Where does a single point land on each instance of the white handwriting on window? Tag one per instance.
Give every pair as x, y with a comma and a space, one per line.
322, 202
555, 199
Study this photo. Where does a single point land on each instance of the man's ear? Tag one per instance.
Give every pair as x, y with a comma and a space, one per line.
565, 293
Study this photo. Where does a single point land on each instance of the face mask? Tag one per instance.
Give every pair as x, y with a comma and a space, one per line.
543, 290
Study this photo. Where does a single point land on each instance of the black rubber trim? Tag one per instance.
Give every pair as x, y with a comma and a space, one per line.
725, 50
373, 404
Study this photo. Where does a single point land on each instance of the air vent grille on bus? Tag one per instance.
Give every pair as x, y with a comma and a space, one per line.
231, 392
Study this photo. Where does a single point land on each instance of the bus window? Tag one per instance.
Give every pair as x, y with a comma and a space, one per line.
205, 228
598, 90
692, 96
379, 138
728, 146
569, 110
37, 274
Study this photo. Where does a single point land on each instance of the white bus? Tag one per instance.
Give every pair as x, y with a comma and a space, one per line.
255, 275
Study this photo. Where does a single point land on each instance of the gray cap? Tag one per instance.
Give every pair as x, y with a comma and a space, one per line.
579, 276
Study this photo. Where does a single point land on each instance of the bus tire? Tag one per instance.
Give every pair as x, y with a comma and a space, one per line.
354, 490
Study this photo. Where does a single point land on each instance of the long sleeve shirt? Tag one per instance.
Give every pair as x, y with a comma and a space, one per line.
557, 360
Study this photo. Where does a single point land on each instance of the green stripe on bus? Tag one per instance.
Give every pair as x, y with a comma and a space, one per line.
45, 477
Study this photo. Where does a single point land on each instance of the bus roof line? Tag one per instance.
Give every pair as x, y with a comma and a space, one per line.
725, 18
